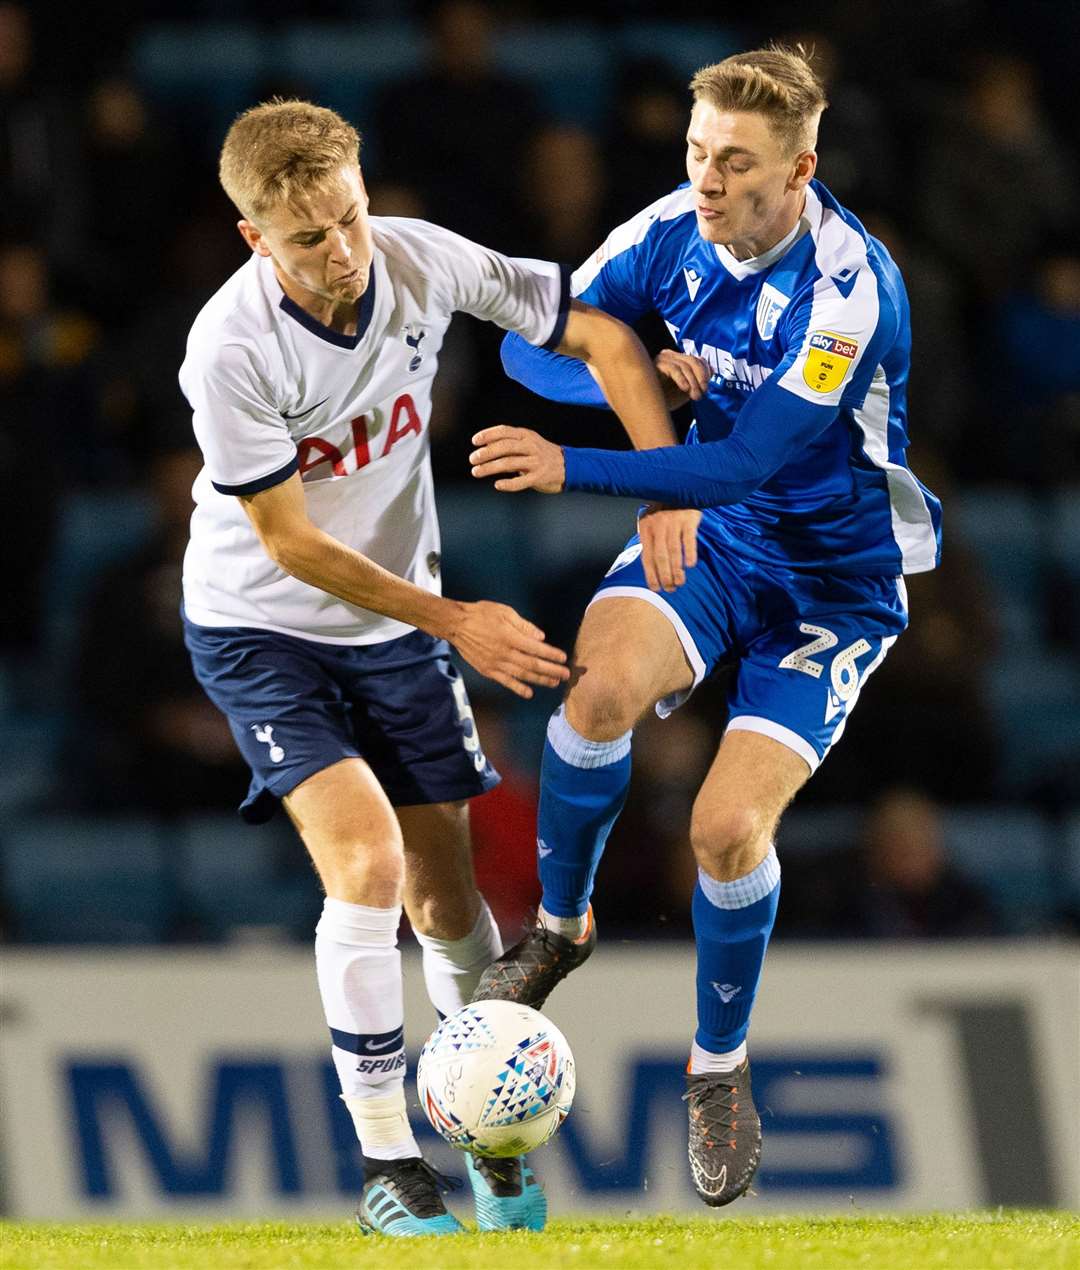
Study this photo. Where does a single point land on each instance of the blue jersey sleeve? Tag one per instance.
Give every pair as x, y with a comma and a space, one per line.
550, 375
772, 427
821, 370
616, 279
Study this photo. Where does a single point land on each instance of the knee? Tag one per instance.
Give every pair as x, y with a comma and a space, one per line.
372, 873
601, 706
727, 839
445, 916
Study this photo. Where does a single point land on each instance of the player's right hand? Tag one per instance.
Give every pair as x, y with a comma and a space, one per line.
668, 544
504, 646
683, 377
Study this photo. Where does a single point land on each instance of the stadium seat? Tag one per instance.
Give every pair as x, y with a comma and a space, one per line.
1065, 533
97, 529
810, 831
72, 880
1009, 533
569, 66
1071, 863
599, 528
1065, 564
485, 552
235, 877
1036, 701
204, 73
1007, 851
344, 64
686, 47
28, 759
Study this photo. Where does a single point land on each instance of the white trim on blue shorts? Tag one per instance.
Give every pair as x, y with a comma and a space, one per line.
767, 727
665, 706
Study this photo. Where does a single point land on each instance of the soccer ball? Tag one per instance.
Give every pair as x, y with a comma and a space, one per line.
496, 1078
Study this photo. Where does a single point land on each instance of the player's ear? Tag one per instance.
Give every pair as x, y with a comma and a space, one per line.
804, 168
252, 235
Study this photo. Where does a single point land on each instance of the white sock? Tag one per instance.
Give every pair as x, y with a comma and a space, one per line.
705, 1061
452, 967
382, 1123
571, 927
359, 969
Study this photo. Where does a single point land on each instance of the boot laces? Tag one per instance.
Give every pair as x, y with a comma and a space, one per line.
418, 1185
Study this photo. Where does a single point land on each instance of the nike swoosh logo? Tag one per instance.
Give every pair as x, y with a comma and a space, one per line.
394, 1040
300, 413
845, 285
713, 1183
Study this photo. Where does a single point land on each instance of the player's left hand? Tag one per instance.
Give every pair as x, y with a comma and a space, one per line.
533, 462
668, 544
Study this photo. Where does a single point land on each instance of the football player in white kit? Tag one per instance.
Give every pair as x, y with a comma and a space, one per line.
312, 603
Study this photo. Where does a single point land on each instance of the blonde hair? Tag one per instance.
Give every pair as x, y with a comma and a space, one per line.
776, 82
276, 151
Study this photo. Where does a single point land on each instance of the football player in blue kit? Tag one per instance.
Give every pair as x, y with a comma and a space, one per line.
312, 600
800, 517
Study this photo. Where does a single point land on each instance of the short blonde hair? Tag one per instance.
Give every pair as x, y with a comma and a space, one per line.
276, 151
776, 82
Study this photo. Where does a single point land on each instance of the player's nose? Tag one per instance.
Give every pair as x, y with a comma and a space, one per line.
339, 246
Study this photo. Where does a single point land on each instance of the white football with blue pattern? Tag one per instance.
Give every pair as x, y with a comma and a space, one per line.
496, 1078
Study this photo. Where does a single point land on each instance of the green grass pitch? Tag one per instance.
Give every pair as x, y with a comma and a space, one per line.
970, 1241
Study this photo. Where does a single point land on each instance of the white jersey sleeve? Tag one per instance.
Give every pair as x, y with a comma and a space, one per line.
530, 297
245, 441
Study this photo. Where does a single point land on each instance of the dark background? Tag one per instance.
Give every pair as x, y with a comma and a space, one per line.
952, 807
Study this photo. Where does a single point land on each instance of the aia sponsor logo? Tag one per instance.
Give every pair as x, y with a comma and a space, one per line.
313, 452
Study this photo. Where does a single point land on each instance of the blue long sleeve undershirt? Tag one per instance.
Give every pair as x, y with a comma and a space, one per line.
772, 427
551, 375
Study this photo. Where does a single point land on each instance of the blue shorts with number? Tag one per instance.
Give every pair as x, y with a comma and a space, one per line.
803, 643
296, 706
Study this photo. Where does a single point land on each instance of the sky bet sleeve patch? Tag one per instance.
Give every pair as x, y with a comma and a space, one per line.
829, 357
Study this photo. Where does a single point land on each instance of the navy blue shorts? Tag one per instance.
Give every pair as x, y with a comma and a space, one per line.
296, 707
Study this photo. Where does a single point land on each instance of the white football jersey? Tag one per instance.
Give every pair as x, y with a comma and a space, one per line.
274, 392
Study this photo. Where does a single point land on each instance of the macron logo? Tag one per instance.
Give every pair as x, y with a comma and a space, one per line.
844, 281
542, 848
693, 281
726, 991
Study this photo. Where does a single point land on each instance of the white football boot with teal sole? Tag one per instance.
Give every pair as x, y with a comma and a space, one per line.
507, 1194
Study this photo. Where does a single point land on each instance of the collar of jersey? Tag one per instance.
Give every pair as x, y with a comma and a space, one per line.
741, 269
365, 306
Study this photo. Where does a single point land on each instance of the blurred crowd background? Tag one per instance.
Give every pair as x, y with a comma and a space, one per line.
952, 806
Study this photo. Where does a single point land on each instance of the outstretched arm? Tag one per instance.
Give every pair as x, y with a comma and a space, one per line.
683, 377
615, 368
773, 426
492, 638
623, 372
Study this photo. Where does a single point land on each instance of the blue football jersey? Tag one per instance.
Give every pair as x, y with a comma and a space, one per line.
816, 334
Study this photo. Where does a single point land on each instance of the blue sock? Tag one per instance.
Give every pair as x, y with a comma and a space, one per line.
732, 924
583, 787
